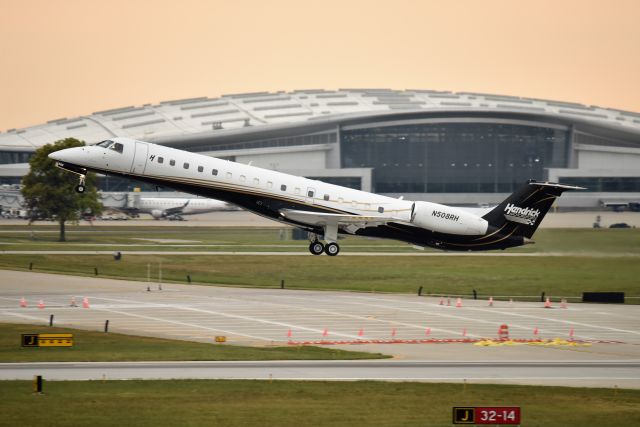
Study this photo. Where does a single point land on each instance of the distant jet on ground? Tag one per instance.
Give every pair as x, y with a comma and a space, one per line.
324, 210
174, 208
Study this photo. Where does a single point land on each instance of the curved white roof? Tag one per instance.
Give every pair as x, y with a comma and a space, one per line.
197, 115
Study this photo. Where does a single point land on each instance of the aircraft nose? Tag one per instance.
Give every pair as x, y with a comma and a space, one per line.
68, 155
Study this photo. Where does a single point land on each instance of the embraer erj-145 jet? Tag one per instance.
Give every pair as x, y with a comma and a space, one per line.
320, 208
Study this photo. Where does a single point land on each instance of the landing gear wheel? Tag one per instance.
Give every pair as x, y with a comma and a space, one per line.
316, 248
332, 249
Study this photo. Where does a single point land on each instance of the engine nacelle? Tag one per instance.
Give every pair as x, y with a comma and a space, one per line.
445, 219
157, 213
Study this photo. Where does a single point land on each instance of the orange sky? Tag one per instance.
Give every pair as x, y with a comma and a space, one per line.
68, 58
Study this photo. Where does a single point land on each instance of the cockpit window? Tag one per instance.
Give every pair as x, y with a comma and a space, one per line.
117, 147
105, 143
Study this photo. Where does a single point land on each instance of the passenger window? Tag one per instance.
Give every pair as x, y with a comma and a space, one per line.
310, 193
283, 187
200, 168
172, 162
380, 209
269, 184
229, 175
185, 165
161, 160
326, 197
214, 172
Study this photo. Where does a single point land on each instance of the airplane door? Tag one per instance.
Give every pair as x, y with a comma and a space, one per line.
140, 158
310, 195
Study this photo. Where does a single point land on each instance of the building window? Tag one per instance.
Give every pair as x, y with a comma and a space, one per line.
161, 160
214, 171
283, 187
200, 168
380, 209
172, 162
326, 197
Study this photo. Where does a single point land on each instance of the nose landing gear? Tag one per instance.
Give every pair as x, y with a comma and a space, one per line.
81, 186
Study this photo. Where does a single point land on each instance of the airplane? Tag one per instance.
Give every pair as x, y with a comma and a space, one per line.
324, 210
174, 208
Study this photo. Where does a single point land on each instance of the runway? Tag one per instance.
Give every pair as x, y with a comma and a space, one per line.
263, 317
571, 373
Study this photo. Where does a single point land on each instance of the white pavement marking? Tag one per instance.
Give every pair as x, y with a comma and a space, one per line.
175, 322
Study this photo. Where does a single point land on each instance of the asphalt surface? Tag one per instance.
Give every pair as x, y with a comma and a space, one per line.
582, 374
265, 317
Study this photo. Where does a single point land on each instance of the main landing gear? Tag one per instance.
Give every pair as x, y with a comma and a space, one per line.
81, 186
331, 248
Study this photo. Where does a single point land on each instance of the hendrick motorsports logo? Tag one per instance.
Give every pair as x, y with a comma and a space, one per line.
522, 215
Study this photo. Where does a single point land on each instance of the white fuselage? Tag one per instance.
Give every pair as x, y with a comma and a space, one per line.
157, 163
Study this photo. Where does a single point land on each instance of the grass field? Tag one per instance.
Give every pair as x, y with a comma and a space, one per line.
289, 403
579, 260
100, 347
40, 237
560, 276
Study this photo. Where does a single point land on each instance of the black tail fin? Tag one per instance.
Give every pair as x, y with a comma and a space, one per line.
527, 206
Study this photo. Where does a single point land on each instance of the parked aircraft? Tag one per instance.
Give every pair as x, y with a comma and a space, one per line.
325, 210
174, 208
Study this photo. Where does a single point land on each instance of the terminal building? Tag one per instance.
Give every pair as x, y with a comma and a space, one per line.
455, 148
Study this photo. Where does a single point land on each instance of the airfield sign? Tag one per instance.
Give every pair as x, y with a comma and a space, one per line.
504, 415
47, 340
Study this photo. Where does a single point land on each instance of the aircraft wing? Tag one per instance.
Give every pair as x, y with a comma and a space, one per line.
350, 222
176, 210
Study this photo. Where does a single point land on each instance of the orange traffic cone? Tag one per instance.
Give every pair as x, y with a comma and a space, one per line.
490, 301
85, 302
563, 303
547, 303
427, 331
325, 332
448, 302
536, 331
464, 332
441, 301
459, 302
289, 334
361, 332
41, 304
73, 302
23, 303
571, 333
393, 332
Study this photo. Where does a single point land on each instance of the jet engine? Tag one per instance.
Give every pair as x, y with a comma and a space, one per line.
157, 213
445, 219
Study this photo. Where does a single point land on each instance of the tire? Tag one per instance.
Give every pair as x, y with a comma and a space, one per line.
316, 248
332, 249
